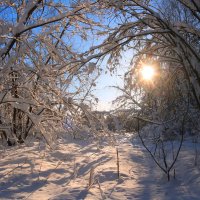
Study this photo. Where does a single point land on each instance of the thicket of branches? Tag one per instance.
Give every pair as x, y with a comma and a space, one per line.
166, 35
45, 78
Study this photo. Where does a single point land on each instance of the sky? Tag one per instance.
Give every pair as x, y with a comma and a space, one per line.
104, 90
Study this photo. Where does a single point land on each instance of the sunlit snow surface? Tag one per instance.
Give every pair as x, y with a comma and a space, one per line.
37, 173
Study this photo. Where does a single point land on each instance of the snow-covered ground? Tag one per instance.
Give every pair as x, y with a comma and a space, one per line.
35, 172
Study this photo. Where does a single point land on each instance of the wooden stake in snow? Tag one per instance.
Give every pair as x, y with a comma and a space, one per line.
117, 162
91, 179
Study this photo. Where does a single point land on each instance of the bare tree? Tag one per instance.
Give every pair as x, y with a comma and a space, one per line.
44, 77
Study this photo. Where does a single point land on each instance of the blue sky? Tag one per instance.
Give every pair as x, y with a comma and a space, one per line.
104, 91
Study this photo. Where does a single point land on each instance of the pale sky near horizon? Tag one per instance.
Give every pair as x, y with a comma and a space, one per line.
103, 90
105, 93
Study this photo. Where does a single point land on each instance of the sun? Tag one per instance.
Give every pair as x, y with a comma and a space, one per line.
147, 72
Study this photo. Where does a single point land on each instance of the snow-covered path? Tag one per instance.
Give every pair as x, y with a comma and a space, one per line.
63, 174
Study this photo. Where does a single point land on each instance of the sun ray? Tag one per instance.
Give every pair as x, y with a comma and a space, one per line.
147, 72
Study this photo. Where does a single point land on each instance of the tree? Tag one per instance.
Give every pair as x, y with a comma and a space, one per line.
168, 39
43, 77
144, 27
52, 76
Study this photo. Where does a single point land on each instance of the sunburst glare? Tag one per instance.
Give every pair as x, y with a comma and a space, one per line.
147, 72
